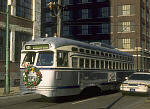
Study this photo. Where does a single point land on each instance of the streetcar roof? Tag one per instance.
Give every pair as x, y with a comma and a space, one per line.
56, 42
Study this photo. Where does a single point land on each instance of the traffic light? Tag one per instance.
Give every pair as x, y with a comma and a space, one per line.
50, 5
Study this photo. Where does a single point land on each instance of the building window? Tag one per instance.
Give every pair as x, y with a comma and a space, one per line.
80, 14
78, 1
125, 27
24, 8
86, 30
48, 30
20, 39
67, 31
2, 83
147, 3
48, 18
68, 2
100, 0
104, 28
126, 43
86, 13
143, 28
2, 44
67, 15
126, 10
142, 12
86, 1
105, 12
79, 30
3, 5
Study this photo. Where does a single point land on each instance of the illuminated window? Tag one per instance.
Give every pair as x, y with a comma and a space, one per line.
126, 43
126, 10
125, 27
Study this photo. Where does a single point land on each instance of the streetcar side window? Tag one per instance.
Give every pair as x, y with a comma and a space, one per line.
74, 62
97, 63
92, 63
62, 58
110, 64
102, 64
106, 64
87, 61
81, 62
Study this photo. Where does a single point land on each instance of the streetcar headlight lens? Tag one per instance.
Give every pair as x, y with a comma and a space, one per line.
147, 85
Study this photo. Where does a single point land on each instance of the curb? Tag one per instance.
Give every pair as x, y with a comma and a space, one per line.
14, 96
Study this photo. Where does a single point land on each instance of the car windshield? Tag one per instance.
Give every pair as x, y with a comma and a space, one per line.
139, 77
45, 59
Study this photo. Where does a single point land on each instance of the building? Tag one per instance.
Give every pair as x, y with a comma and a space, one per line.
131, 29
122, 23
24, 24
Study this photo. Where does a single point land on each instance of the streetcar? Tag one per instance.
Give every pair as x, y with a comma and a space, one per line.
55, 67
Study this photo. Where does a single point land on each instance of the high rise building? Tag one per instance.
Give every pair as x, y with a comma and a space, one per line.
124, 24
24, 24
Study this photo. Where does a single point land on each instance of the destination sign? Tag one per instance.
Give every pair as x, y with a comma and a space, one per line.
37, 47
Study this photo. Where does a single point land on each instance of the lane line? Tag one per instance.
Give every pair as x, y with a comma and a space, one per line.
84, 100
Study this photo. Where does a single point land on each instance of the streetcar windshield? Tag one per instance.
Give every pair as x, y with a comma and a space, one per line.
29, 58
45, 59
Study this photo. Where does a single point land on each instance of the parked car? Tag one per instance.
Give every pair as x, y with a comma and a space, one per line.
136, 83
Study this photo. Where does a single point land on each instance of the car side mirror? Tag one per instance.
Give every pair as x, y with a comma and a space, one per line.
126, 78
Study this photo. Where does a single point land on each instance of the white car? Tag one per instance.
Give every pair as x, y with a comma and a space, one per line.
137, 82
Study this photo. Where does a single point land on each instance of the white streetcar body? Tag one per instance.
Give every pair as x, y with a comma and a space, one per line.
68, 67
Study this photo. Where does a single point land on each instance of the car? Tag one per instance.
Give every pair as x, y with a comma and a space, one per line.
138, 82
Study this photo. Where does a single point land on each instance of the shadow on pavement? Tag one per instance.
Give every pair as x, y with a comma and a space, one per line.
84, 95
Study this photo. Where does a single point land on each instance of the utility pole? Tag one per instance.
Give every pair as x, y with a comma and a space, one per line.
55, 11
7, 88
59, 8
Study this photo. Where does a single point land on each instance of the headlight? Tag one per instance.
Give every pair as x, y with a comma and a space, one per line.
147, 85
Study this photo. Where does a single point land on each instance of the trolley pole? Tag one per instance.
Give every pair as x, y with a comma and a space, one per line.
7, 89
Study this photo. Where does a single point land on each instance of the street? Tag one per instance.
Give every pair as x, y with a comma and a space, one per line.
104, 101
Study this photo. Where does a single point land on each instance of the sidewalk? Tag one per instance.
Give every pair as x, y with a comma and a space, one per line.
13, 91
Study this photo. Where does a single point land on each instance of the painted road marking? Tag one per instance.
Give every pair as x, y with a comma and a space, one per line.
84, 100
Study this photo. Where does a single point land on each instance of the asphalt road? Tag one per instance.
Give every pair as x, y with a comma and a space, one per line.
104, 101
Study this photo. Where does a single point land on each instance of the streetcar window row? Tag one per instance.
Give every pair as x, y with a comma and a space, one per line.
101, 53
102, 64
